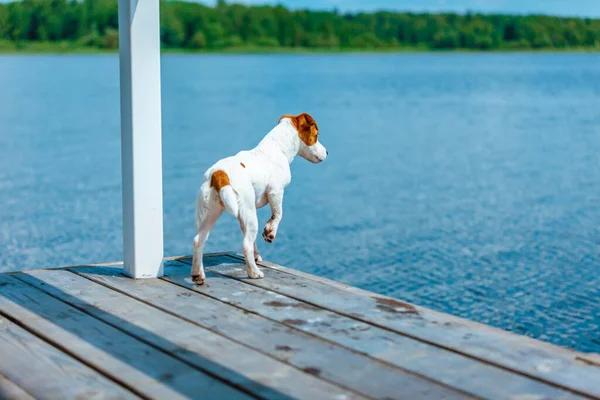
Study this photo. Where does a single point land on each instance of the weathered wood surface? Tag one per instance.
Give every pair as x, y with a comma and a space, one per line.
233, 362
455, 370
10, 391
539, 360
89, 332
138, 366
46, 372
308, 353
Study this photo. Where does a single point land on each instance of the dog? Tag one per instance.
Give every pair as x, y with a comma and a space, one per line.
250, 180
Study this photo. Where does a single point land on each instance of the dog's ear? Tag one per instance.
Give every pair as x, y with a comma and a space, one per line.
306, 121
307, 128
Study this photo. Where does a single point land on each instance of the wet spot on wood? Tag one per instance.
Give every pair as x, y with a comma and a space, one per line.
360, 328
342, 331
62, 316
395, 306
166, 377
283, 348
277, 303
294, 322
312, 370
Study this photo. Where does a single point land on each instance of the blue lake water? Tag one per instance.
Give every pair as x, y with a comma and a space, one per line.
465, 183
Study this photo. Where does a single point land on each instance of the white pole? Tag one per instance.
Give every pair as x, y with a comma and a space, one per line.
141, 156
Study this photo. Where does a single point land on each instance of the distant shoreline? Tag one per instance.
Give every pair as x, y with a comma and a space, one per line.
91, 26
7, 48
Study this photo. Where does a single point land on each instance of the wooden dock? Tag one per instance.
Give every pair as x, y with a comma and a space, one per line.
89, 332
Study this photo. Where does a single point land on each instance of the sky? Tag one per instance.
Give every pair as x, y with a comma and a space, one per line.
580, 8
577, 8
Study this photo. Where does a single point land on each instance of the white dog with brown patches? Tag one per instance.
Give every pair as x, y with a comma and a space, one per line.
248, 181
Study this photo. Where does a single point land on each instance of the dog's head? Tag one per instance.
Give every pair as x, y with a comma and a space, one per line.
308, 132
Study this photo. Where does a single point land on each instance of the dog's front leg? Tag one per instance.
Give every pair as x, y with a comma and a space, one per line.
275, 198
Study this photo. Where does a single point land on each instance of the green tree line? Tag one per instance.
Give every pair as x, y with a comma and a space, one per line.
93, 23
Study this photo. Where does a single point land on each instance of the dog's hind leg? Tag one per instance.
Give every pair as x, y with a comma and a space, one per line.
257, 256
207, 212
249, 224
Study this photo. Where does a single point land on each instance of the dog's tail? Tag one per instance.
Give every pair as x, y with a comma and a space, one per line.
229, 199
220, 182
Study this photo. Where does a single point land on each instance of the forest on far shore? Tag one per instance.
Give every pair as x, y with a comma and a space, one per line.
93, 24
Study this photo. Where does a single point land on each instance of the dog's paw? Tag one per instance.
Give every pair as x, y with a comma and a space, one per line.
198, 280
268, 234
258, 258
255, 274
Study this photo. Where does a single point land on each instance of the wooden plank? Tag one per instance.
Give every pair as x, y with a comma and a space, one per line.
10, 391
333, 363
239, 365
47, 373
220, 258
136, 365
530, 357
455, 370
